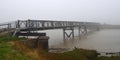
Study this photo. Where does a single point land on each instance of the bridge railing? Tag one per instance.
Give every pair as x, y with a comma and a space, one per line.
25, 24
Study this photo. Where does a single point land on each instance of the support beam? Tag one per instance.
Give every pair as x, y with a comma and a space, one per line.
85, 29
68, 35
36, 25
30, 34
79, 30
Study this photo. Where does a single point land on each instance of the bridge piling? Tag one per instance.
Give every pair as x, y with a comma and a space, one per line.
68, 35
79, 29
84, 30
43, 43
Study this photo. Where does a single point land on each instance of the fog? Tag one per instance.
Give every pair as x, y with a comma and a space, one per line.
103, 11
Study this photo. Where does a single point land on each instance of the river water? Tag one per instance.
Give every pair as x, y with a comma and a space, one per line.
102, 41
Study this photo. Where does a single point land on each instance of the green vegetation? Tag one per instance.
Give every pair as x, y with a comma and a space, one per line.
7, 39
108, 58
8, 52
81, 54
76, 54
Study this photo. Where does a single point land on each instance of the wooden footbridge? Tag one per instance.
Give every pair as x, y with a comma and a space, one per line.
29, 27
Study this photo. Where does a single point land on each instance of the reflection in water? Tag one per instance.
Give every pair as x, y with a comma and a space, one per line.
102, 41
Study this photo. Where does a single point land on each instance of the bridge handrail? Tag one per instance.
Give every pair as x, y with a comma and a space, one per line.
22, 24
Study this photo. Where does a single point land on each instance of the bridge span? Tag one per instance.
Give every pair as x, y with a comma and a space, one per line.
29, 27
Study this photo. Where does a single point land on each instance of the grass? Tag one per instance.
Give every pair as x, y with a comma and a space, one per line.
76, 54
20, 52
108, 58
7, 52
82, 54
79, 54
9, 38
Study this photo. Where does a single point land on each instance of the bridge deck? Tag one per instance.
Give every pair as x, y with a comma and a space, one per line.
44, 24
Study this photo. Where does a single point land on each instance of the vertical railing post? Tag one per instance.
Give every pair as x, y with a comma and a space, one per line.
26, 24
37, 24
29, 25
52, 24
18, 24
43, 24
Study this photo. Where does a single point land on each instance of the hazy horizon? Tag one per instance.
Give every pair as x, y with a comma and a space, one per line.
103, 11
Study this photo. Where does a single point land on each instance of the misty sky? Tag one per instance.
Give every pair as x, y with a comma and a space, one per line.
103, 11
